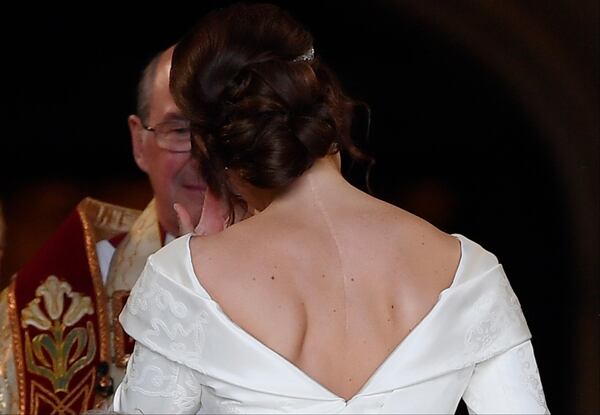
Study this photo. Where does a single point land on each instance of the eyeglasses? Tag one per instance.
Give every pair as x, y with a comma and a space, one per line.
172, 135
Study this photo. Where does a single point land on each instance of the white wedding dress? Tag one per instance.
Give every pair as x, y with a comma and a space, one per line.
191, 358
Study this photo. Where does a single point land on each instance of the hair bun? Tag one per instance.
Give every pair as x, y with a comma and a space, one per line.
248, 78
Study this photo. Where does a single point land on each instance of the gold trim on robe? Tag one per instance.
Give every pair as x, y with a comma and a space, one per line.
128, 261
59, 323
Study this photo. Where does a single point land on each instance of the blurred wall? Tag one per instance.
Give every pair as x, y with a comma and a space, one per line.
547, 54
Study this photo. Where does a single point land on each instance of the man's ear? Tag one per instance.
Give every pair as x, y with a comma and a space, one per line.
136, 130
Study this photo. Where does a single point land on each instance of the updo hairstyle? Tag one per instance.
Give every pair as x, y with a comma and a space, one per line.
259, 102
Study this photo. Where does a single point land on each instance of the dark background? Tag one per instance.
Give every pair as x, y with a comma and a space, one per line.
484, 122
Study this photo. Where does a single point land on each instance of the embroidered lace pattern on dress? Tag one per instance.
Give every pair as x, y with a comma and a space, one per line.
530, 376
499, 310
183, 337
156, 379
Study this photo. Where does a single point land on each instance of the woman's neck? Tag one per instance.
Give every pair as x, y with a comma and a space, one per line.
324, 178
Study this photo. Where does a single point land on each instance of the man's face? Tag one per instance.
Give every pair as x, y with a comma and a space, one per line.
174, 176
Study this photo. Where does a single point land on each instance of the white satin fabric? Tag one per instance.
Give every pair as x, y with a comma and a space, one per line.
191, 358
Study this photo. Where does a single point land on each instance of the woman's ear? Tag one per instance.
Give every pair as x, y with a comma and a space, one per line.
136, 130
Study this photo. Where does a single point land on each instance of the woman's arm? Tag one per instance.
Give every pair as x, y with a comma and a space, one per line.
508, 383
154, 384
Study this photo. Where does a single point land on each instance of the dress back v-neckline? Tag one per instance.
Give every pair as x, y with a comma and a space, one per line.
252, 340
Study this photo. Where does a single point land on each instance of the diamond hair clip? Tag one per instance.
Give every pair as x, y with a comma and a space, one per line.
306, 56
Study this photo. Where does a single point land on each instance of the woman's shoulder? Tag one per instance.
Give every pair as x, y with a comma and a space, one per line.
439, 258
475, 259
166, 305
172, 263
416, 236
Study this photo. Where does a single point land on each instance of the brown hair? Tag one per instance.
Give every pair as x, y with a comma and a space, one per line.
259, 103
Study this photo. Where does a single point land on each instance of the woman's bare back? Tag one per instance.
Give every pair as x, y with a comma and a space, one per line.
328, 277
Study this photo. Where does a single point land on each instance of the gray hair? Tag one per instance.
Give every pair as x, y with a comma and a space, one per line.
145, 87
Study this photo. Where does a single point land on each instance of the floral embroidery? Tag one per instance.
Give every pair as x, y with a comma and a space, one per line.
215, 404
58, 352
499, 309
530, 375
192, 338
182, 338
162, 378
143, 298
